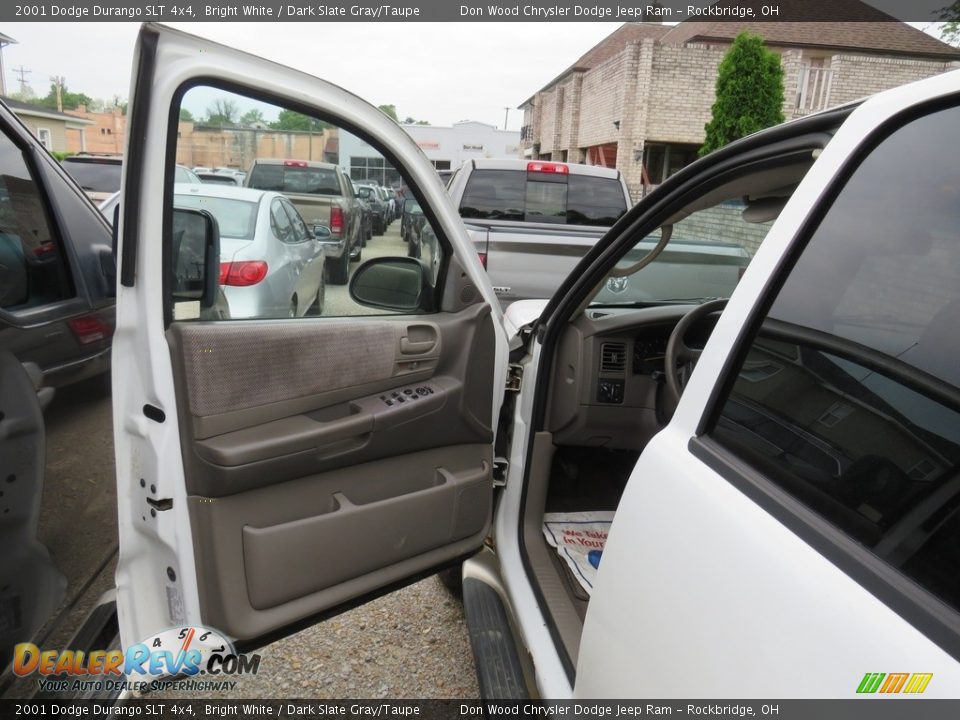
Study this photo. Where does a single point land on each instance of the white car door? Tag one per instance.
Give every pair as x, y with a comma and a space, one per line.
793, 532
272, 470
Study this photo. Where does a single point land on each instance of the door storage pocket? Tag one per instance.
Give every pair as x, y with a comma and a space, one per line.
373, 524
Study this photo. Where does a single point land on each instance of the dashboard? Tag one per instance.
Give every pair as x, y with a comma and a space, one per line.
610, 369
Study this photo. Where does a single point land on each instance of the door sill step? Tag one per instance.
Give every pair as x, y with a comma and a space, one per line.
499, 672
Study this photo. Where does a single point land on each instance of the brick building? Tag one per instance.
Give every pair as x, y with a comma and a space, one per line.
106, 134
639, 100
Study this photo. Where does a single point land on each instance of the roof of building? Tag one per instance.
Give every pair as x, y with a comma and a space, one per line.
611, 46
22, 108
833, 24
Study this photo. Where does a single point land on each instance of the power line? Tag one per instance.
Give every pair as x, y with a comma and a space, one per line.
22, 72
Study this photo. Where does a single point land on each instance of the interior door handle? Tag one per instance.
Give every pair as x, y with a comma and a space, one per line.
407, 347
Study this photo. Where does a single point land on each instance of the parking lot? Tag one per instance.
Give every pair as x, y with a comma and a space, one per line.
411, 643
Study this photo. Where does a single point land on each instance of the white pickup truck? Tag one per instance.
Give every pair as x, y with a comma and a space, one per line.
533, 221
785, 524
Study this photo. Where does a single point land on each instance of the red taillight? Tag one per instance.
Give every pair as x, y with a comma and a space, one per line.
242, 273
44, 249
336, 221
544, 167
483, 260
295, 163
89, 329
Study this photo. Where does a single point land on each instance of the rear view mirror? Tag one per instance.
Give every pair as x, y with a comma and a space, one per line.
389, 283
195, 245
321, 232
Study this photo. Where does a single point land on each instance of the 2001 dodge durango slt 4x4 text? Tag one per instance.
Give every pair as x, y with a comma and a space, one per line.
788, 509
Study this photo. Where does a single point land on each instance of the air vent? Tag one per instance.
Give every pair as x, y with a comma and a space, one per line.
613, 357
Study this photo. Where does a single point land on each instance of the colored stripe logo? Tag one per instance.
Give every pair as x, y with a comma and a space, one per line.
894, 683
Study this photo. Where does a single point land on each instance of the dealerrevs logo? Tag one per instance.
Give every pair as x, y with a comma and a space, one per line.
184, 651
894, 683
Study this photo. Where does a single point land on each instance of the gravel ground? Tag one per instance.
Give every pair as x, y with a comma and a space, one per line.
409, 644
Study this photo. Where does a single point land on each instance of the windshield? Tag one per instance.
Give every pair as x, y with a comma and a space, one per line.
522, 196
704, 257
237, 218
295, 179
94, 175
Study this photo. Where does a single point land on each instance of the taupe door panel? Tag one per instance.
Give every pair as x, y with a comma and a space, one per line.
303, 426
327, 458
269, 556
336, 436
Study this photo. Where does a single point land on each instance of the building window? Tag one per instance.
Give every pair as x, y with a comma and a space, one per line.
661, 160
45, 137
441, 164
373, 168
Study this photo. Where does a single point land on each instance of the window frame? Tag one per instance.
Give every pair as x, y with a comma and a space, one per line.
75, 301
932, 617
127, 271
47, 141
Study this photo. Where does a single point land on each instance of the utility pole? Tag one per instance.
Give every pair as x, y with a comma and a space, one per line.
506, 116
58, 82
22, 72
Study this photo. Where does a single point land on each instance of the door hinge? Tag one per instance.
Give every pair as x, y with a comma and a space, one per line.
500, 467
514, 377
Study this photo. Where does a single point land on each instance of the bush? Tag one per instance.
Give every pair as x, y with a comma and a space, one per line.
60, 156
749, 93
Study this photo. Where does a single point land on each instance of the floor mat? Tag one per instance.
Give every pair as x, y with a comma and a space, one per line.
579, 539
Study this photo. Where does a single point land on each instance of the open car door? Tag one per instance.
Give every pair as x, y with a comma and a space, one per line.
282, 449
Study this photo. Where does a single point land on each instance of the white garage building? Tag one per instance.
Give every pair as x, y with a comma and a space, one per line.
446, 147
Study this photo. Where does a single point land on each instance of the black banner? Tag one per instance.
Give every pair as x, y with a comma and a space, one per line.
476, 11
873, 708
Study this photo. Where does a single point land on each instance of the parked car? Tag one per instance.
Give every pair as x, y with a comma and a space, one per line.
769, 478
218, 178
532, 221
367, 213
270, 261
57, 272
324, 196
378, 209
97, 175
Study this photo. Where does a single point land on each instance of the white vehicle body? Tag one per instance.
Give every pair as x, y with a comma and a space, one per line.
704, 590
295, 263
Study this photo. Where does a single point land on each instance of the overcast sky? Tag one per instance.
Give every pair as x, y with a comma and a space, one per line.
440, 72
431, 71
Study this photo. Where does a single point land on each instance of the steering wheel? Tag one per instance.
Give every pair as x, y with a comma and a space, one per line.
678, 352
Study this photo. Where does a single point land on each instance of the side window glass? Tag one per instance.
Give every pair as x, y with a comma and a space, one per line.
32, 267
293, 237
849, 395
281, 222
298, 229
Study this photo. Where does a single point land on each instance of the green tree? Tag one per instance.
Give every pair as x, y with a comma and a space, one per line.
950, 32
69, 99
410, 121
252, 117
223, 112
292, 120
186, 115
749, 93
390, 111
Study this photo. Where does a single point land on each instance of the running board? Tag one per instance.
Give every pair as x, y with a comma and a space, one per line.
499, 671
